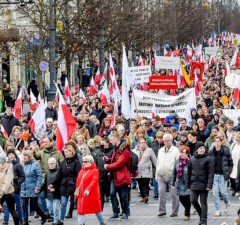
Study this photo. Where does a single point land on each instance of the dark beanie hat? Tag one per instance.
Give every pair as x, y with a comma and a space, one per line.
199, 144
11, 151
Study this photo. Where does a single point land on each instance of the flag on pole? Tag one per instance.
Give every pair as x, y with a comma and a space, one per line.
97, 77
140, 61
104, 94
234, 58
67, 92
65, 125
185, 75
154, 110
236, 94
105, 75
93, 88
114, 115
227, 69
126, 83
5, 134
38, 120
39, 98
17, 110
82, 95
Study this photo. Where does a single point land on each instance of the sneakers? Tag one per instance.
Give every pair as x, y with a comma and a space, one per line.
218, 213
114, 217
186, 218
226, 208
124, 217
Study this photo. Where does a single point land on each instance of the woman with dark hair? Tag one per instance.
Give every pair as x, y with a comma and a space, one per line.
180, 180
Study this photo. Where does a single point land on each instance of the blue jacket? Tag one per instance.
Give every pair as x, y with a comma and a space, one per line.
33, 179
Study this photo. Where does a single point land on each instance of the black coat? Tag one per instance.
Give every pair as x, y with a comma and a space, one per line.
91, 128
67, 175
9, 122
100, 162
200, 172
51, 113
192, 147
49, 178
227, 162
19, 175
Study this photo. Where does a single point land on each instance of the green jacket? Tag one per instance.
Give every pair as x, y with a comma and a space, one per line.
44, 154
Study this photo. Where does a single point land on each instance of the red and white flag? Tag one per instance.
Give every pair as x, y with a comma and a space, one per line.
236, 94
140, 61
17, 109
32, 98
197, 85
211, 60
105, 75
82, 95
5, 134
227, 69
39, 98
93, 88
115, 114
67, 92
38, 120
234, 58
165, 52
66, 124
97, 78
189, 51
104, 94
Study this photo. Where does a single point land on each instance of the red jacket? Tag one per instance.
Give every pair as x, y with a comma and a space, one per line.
88, 179
120, 164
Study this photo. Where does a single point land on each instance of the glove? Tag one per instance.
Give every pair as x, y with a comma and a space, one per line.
86, 193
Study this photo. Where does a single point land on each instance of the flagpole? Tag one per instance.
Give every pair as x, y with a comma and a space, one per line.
133, 95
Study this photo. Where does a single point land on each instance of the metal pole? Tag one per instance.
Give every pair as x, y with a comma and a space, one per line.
218, 17
52, 53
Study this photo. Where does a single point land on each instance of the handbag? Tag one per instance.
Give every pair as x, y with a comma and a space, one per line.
77, 191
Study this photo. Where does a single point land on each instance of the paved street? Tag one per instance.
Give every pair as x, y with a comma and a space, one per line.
146, 214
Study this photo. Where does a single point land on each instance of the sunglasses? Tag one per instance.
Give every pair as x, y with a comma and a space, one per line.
85, 161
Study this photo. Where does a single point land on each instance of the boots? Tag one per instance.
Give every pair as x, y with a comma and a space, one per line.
69, 215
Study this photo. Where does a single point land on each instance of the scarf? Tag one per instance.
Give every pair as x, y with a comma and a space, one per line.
182, 163
26, 136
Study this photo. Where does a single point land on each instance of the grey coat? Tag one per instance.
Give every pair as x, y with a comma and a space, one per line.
146, 163
181, 182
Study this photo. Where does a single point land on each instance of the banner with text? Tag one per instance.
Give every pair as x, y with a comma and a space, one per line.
211, 51
163, 82
140, 72
163, 62
142, 104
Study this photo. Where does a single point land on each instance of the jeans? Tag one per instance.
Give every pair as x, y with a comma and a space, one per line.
155, 186
42, 202
64, 201
33, 206
81, 218
10, 199
202, 209
219, 185
123, 192
18, 202
54, 206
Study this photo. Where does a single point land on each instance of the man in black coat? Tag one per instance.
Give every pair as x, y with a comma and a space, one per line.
200, 180
50, 111
9, 121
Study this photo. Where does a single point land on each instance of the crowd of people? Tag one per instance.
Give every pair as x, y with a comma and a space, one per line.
103, 161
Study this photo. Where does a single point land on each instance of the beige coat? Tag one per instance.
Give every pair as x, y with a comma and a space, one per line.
6, 180
24, 93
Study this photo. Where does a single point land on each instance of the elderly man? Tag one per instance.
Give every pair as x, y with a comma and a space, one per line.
167, 157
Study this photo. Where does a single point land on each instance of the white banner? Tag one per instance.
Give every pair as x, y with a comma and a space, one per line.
142, 103
164, 62
211, 51
232, 114
141, 72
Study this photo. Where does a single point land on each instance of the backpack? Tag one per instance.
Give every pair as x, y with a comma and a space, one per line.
133, 163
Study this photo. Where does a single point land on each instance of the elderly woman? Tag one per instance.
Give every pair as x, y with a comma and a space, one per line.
67, 176
6, 187
180, 179
31, 187
146, 160
87, 191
